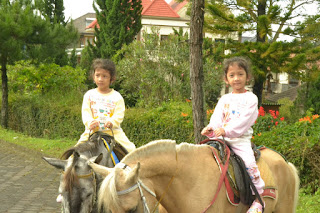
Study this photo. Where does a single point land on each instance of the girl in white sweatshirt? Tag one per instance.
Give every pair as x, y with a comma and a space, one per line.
103, 107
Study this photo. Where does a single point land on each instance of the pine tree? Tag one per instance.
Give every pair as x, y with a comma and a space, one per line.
53, 10
119, 22
26, 35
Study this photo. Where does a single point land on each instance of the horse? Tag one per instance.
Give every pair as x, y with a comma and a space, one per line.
184, 178
78, 183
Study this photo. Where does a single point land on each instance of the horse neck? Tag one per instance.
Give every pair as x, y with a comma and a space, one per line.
163, 165
173, 170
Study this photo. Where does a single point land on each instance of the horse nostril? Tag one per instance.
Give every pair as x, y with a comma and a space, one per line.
59, 198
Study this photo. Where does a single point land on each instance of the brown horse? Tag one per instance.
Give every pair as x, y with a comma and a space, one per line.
184, 178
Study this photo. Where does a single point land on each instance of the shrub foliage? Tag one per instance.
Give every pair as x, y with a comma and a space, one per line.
298, 142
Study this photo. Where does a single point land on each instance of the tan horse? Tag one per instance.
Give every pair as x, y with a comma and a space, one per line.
184, 178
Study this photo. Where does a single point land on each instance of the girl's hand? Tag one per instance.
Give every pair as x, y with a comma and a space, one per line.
94, 124
219, 132
207, 131
108, 125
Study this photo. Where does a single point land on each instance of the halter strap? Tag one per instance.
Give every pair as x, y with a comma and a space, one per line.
135, 186
83, 176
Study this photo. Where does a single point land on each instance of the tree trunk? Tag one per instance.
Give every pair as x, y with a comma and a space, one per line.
196, 67
262, 4
258, 84
4, 106
258, 89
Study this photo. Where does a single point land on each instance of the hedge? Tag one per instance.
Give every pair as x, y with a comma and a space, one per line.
42, 117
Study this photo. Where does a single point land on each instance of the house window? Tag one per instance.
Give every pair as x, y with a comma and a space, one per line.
293, 81
164, 37
89, 21
223, 41
82, 42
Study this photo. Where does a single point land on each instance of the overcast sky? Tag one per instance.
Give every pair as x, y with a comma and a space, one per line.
77, 8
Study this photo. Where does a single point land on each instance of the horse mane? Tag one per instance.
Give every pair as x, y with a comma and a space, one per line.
108, 196
159, 146
150, 149
70, 176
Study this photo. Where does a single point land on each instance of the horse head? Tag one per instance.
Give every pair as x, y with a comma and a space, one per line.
77, 190
78, 183
123, 191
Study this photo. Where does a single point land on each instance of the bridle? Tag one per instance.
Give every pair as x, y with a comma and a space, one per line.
94, 182
140, 184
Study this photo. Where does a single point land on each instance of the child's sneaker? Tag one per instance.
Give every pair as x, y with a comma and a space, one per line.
256, 207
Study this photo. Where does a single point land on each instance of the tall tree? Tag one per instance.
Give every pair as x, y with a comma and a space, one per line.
196, 67
53, 10
26, 35
309, 33
119, 22
268, 19
15, 29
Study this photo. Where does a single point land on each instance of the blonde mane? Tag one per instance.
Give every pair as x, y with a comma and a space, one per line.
150, 149
108, 196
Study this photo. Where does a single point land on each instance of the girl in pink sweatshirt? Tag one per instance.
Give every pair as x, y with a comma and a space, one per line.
233, 117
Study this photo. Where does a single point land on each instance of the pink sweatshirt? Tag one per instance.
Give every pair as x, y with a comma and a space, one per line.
235, 113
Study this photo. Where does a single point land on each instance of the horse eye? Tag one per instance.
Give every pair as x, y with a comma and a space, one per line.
88, 195
133, 210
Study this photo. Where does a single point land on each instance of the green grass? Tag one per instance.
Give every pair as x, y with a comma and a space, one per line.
51, 148
308, 203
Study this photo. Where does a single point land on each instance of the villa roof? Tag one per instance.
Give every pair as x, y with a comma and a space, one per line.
94, 23
157, 8
291, 93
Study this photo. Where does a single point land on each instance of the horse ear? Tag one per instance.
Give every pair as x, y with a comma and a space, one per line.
133, 175
59, 164
99, 158
101, 170
95, 159
76, 155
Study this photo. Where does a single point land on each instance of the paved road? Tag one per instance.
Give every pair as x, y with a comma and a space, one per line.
27, 183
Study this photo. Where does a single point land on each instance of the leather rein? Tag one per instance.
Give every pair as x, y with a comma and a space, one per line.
223, 169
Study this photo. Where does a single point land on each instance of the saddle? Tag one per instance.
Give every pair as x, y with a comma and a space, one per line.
110, 144
237, 181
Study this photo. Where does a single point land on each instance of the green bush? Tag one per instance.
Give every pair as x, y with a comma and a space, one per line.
25, 77
172, 120
285, 109
299, 143
45, 99
49, 115
152, 71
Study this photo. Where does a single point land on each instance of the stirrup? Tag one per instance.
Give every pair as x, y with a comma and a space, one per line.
256, 207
